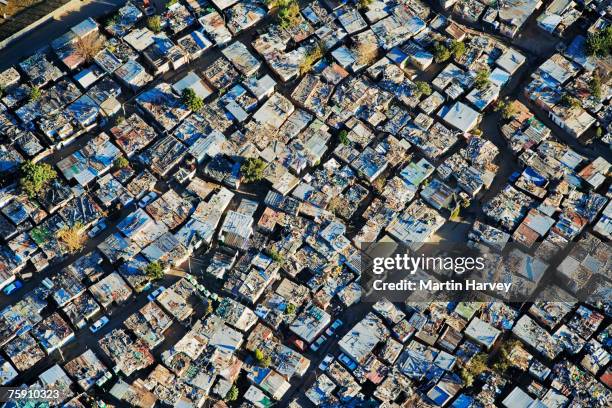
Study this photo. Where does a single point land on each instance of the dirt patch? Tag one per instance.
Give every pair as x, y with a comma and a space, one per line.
18, 14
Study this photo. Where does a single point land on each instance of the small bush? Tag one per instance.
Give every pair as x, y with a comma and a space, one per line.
276, 257
363, 4
114, 19
232, 394
366, 52
73, 238
121, 162
262, 359
289, 13
193, 101
569, 101
209, 307
290, 310
35, 94
252, 170
154, 271
336, 205
379, 184
313, 55
267, 360
595, 86
154, 23
343, 137
423, 88
506, 108
89, 46
482, 79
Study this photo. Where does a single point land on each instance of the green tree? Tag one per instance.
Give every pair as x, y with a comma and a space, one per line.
266, 362
154, 24
423, 88
504, 362
232, 394
72, 238
252, 170
599, 132
363, 4
455, 212
209, 307
506, 109
276, 257
440, 52
343, 137
482, 79
171, 3
569, 101
262, 358
154, 271
259, 356
111, 20
457, 48
595, 86
476, 366
289, 13
290, 310
121, 162
35, 177
193, 101
314, 54
599, 43
35, 93
336, 205
379, 184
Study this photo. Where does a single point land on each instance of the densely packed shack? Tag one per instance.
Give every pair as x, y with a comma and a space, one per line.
188, 193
